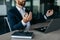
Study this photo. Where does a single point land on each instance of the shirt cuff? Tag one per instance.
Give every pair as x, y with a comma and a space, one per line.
24, 24
45, 17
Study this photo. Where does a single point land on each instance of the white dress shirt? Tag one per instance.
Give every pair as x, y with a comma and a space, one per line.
22, 11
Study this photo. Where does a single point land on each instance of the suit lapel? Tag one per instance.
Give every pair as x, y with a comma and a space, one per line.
18, 13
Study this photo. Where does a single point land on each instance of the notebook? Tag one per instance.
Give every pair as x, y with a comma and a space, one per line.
22, 35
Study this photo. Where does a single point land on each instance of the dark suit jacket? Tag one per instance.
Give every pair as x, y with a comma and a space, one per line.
14, 18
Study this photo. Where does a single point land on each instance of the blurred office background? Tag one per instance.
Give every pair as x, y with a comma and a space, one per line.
37, 6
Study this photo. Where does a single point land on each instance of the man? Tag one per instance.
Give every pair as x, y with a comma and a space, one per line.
19, 19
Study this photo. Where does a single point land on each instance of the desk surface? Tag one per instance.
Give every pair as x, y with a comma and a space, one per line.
55, 35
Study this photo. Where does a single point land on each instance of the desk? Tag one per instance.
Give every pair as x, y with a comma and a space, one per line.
38, 35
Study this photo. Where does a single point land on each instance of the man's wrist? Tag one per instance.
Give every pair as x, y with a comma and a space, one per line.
45, 17
24, 24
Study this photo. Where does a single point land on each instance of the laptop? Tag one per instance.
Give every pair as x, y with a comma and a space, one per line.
53, 25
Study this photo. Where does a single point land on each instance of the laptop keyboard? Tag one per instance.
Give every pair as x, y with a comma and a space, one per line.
42, 29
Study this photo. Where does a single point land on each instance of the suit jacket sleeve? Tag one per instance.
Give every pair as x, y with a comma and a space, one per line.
39, 19
15, 22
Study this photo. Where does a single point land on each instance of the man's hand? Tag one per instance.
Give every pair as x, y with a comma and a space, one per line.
30, 16
27, 17
49, 13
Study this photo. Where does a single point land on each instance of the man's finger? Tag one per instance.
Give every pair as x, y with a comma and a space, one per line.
30, 13
26, 15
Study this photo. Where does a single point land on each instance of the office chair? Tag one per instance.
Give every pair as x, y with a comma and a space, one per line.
3, 13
